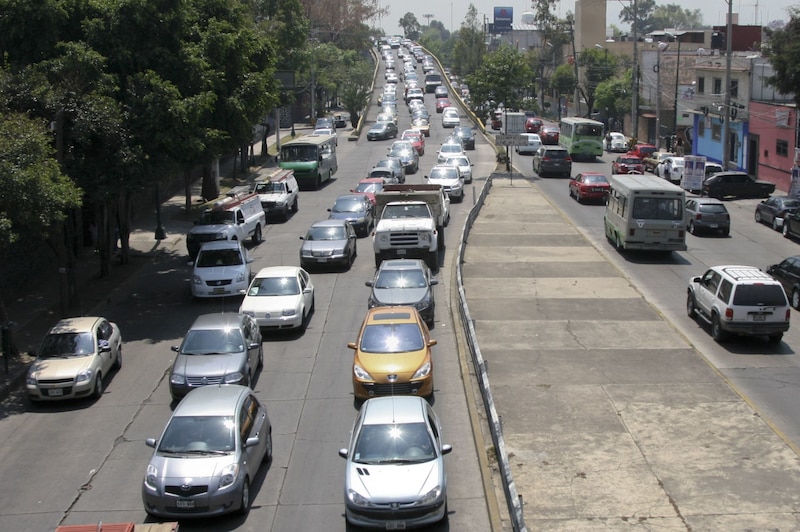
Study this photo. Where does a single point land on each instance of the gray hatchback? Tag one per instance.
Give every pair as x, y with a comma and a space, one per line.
404, 282
550, 160
221, 348
707, 214
208, 455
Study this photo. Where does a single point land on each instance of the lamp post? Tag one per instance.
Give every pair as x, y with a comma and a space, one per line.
661, 47
726, 112
677, 37
635, 76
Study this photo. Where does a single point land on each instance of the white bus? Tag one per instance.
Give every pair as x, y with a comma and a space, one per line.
645, 212
312, 157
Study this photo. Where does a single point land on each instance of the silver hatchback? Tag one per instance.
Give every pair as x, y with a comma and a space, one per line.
707, 214
208, 455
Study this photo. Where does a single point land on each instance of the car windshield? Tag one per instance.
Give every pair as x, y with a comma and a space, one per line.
657, 208
400, 279
218, 257
216, 217
369, 187
199, 435
348, 205
212, 342
394, 444
392, 338
406, 211
67, 344
277, 286
268, 187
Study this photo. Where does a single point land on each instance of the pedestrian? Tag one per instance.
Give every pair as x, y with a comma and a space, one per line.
679, 147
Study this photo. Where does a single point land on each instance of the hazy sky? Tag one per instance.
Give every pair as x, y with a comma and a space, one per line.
452, 13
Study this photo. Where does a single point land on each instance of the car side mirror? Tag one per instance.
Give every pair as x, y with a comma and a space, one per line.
446, 448
697, 279
328, 210
249, 260
425, 177
343, 453
190, 264
251, 442
432, 343
351, 345
434, 282
175, 348
302, 238
151, 442
368, 283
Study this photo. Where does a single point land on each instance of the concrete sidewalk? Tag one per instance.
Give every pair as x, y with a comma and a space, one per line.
38, 309
611, 420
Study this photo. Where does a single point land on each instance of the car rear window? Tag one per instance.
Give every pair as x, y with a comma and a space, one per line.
713, 209
755, 295
556, 154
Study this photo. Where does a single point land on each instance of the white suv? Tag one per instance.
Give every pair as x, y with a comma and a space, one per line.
739, 300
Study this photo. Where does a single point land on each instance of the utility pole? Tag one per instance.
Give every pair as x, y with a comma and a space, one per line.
660, 48
726, 111
427, 18
635, 75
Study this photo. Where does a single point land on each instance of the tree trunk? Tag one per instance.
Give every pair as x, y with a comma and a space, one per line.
123, 227
187, 190
210, 184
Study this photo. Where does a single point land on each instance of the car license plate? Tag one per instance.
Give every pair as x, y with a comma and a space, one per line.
185, 503
401, 251
396, 525
759, 317
55, 392
322, 259
713, 226
219, 290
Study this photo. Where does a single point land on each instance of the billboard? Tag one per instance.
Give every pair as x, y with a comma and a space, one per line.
503, 17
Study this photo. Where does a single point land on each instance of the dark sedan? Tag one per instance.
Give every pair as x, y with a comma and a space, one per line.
736, 184
467, 135
772, 211
788, 273
549, 134
382, 131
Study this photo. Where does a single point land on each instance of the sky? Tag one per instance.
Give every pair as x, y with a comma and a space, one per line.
452, 13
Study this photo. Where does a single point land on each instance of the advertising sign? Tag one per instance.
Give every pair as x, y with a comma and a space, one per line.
503, 17
694, 172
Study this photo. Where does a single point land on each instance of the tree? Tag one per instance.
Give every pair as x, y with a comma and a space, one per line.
563, 80
504, 77
410, 26
638, 15
613, 96
469, 46
783, 51
675, 17
598, 66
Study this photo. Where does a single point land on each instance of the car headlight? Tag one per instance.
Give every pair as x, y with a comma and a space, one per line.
177, 378
383, 237
84, 376
240, 277
423, 371
288, 312
229, 475
233, 378
356, 498
198, 280
423, 303
306, 253
221, 236
151, 477
431, 496
361, 373
425, 238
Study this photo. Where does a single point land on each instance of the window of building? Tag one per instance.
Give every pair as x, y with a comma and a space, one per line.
716, 131
701, 127
734, 88
717, 85
701, 85
782, 148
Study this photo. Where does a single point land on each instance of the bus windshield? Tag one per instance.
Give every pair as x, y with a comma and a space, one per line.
651, 208
589, 130
299, 153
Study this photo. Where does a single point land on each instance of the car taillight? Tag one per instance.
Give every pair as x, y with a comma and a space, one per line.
788, 313
729, 313
698, 216
545, 158
568, 159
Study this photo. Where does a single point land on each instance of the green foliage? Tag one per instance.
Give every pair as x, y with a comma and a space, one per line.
675, 16
640, 17
613, 95
469, 44
504, 77
563, 80
35, 194
410, 26
783, 51
597, 66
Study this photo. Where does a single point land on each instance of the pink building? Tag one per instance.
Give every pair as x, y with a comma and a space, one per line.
772, 141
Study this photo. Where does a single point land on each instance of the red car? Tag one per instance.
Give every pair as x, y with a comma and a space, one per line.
627, 164
549, 134
589, 186
441, 103
369, 187
533, 124
417, 139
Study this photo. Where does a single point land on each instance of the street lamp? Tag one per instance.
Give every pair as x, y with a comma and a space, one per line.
661, 47
726, 117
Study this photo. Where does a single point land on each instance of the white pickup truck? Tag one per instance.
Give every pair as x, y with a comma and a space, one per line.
236, 217
411, 223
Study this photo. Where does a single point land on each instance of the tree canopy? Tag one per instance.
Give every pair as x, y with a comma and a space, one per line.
503, 77
783, 51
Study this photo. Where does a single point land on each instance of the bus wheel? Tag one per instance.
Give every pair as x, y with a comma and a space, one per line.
319, 181
617, 241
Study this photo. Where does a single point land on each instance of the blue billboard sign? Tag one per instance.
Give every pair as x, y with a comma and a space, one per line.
503, 17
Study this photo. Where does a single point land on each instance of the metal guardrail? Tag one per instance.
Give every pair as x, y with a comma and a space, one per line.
513, 499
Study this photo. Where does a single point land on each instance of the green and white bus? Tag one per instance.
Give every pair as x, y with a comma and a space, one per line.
582, 137
645, 212
312, 157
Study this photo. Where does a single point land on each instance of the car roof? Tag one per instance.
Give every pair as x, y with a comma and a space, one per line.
324, 223
402, 264
75, 325
399, 314
372, 180
219, 400
282, 271
220, 244
707, 201
393, 409
358, 197
217, 320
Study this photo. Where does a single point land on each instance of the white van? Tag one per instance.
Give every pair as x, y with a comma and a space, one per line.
236, 217
278, 194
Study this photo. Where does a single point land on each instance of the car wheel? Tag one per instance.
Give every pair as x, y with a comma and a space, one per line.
796, 298
775, 338
726, 231
617, 242
690, 309
717, 333
244, 505
785, 230
304, 321
691, 227
98, 386
268, 452
775, 224
261, 357
758, 217
257, 234
578, 197
118, 360
295, 205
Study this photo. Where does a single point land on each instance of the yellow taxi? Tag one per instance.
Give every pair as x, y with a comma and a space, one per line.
392, 354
